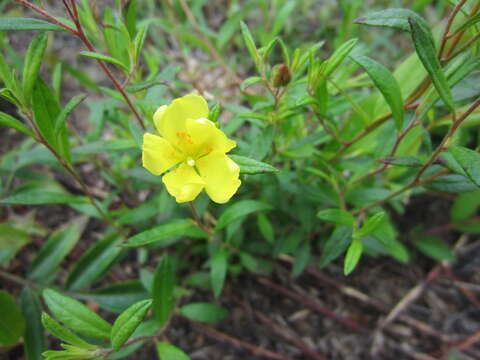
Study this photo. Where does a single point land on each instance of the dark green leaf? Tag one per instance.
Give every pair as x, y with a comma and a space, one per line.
11, 241
218, 270
252, 166
45, 110
12, 323
168, 351
31, 66
266, 227
35, 342
11, 23
337, 216
240, 209
336, 245
204, 312
162, 292
387, 84
76, 315
94, 262
401, 161
62, 117
302, 258
164, 232
371, 224
55, 249
425, 48
452, 184
127, 322
465, 206
435, 248
469, 161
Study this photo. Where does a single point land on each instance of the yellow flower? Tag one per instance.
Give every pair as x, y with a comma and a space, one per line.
196, 148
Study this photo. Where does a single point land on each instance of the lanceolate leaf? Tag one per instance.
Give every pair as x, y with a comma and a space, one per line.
105, 58
162, 292
37, 196
240, 209
469, 161
393, 18
71, 105
336, 245
34, 337
76, 315
252, 166
338, 56
354, 253
64, 334
204, 312
31, 66
45, 110
11, 23
128, 321
12, 323
387, 85
10, 121
168, 351
425, 48
218, 270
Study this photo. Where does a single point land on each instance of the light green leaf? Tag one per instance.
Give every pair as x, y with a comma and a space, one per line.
168, 351
337, 216
64, 334
13, 23
240, 209
251, 166
470, 22
387, 84
104, 58
392, 18
38, 196
162, 233
249, 82
425, 48
127, 322
338, 56
469, 161
353, 255
12, 323
162, 291
31, 66
71, 105
10, 121
250, 43
35, 342
371, 224
76, 315
204, 312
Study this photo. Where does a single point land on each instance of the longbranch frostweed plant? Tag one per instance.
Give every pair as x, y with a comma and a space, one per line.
193, 149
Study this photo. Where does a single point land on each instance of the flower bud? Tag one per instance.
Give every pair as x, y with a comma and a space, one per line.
281, 75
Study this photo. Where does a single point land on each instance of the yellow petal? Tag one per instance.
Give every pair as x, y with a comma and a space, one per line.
183, 183
158, 155
207, 138
221, 176
170, 121
158, 116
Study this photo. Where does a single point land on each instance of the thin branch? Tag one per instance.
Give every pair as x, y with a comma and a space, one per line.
451, 17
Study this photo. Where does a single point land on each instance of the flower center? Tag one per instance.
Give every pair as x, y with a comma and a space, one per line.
190, 162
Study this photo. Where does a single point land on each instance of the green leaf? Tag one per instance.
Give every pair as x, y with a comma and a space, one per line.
162, 233
12, 23
168, 351
353, 255
337, 216
465, 206
266, 228
34, 337
94, 262
470, 22
59, 245
336, 244
12, 323
410, 161
392, 18
45, 110
469, 161
371, 224
240, 209
104, 58
435, 248
302, 258
452, 184
11, 241
10, 121
76, 315
338, 56
38, 196
127, 322
251, 166
249, 82
425, 48
31, 66
218, 270
71, 105
387, 84
204, 312
250, 43
162, 291
64, 334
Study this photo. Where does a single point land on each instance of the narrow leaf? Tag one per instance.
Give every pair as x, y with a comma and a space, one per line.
31, 66
12, 323
336, 244
435, 248
338, 56
387, 84
12, 23
35, 342
127, 322
105, 58
204, 312
64, 334
469, 161
38, 196
425, 48
250, 43
76, 315
10, 121
218, 270
71, 105
240, 209
251, 166
354, 253
162, 291
337, 216
392, 18
168, 351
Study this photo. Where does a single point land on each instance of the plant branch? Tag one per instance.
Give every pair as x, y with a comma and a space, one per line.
451, 17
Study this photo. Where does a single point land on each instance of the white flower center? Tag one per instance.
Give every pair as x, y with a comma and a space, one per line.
190, 162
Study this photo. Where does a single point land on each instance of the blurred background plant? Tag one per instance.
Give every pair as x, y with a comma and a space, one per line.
363, 115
